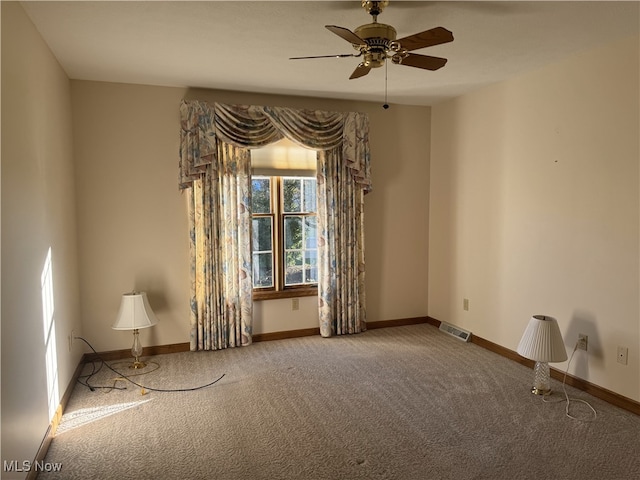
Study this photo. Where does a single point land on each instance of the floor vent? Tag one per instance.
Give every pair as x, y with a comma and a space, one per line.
455, 331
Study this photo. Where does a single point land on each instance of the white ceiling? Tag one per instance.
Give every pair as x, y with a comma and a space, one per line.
246, 46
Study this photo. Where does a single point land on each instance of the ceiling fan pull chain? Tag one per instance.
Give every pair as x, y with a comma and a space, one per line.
386, 105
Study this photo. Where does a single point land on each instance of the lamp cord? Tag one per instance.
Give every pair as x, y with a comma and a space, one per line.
84, 379
128, 379
568, 399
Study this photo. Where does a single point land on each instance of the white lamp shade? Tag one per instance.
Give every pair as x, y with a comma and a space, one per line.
135, 312
542, 340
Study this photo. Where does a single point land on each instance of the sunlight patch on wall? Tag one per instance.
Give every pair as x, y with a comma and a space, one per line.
48, 318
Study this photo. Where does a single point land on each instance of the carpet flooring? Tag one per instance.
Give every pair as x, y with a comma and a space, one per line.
395, 403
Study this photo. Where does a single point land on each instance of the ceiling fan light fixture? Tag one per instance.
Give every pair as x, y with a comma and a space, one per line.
374, 59
398, 56
395, 46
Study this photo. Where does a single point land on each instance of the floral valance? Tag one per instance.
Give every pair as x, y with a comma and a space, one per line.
252, 126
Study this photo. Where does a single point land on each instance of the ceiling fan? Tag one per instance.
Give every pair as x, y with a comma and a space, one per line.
377, 42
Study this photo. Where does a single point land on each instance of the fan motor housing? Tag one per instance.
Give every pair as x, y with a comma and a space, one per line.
379, 38
372, 31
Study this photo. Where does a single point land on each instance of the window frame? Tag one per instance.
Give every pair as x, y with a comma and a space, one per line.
279, 290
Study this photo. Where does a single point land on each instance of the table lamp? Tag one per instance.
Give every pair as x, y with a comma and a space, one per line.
135, 313
542, 342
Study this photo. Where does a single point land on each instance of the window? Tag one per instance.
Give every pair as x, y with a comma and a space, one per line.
285, 255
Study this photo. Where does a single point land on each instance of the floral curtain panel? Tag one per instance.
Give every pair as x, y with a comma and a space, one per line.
341, 292
342, 139
220, 251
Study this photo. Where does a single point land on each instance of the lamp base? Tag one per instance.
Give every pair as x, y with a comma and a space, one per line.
541, 383
540, 391
136, 351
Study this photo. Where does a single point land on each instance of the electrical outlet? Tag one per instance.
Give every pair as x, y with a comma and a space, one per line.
623, 355
583, 341
295, 304
70, 339
465, 304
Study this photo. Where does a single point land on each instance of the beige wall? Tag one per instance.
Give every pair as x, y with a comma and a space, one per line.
38, 214
535, 209
133, 225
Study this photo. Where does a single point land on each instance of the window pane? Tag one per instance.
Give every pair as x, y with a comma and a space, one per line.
298, 236
262, 237
309, 186
293, 268
261, 195
292, 194
311, 266
310, 232
262, 270
292, 232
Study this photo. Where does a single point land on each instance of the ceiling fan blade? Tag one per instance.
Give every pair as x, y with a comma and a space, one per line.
423, 61
428, 38
341, 55
360, 71
347, 34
